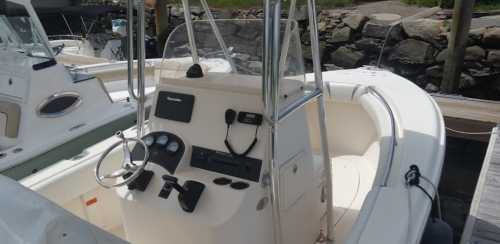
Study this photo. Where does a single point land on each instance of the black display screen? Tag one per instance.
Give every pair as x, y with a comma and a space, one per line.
175, 106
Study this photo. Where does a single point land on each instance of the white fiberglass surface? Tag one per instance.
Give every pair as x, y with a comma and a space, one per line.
19, 34
244, 40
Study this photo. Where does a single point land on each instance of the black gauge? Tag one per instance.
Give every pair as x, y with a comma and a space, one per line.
173, 147
149, 140
162, 140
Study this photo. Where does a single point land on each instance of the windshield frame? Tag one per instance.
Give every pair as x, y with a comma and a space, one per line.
11, 39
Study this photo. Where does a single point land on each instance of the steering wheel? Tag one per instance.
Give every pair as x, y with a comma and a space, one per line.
129, 170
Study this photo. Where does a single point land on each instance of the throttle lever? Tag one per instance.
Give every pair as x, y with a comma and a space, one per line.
189, 193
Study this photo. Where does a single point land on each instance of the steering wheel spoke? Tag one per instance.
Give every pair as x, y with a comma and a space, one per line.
127, 165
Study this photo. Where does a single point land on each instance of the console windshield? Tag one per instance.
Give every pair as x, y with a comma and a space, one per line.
19, 34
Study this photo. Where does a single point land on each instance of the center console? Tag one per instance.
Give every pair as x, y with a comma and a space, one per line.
205, 181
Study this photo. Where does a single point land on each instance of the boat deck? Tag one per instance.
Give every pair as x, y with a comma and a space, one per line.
483, 223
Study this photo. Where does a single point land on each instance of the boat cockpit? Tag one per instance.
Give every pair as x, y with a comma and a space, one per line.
242, 146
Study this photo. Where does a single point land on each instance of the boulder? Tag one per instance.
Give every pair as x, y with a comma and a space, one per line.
491, 37
476, 35
483, 73
466, 81
434, 72
347, 58
385, 18
355, 21
442, 56
306, 50
370, 45
474, 53
377, 30
493, 58
411, 51
341, 35
424, 29
431, 88
331, 67
410, 71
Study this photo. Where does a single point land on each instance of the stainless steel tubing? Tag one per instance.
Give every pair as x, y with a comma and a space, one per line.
141, 66
270, 86
318, 76
190, 31
130, 38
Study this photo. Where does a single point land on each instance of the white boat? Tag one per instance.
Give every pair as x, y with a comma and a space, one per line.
47, 111
232, 154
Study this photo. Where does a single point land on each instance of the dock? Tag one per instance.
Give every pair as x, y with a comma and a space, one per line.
483, 222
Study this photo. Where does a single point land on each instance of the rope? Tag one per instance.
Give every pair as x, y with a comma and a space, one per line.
438, 198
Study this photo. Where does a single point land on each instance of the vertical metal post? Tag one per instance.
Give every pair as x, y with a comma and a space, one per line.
270, 85
141, 66
130, 42
318, 76
190, 31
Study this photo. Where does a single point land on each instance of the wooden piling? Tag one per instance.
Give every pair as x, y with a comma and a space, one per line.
457, 44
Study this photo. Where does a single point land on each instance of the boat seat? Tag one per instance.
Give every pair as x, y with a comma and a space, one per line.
10, 115
353, 178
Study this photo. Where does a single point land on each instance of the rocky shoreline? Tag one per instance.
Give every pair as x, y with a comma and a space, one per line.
415, 49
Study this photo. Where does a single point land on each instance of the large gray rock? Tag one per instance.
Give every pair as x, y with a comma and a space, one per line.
355, 21
347, 58
370, 45
424, 29
474, 53
442, 56
434, 72
491, 37
430, 87
493, 58
378, 30
306, 50
341, 35
411, 51
385, 18
466, 81
476, 35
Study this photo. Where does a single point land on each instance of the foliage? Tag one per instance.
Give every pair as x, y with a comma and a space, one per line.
480, 4
258, 3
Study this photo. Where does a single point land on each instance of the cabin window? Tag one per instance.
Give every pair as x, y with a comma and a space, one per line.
59, 105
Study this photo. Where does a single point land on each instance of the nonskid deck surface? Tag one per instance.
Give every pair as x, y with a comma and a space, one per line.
352, 180
483, 223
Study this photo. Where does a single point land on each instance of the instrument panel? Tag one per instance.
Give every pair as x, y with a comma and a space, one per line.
165, 149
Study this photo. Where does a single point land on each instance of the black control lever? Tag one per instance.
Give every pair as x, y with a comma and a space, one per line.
189, 193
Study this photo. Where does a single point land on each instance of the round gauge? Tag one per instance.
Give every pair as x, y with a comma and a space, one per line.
162, 140
173, 147
149, 140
